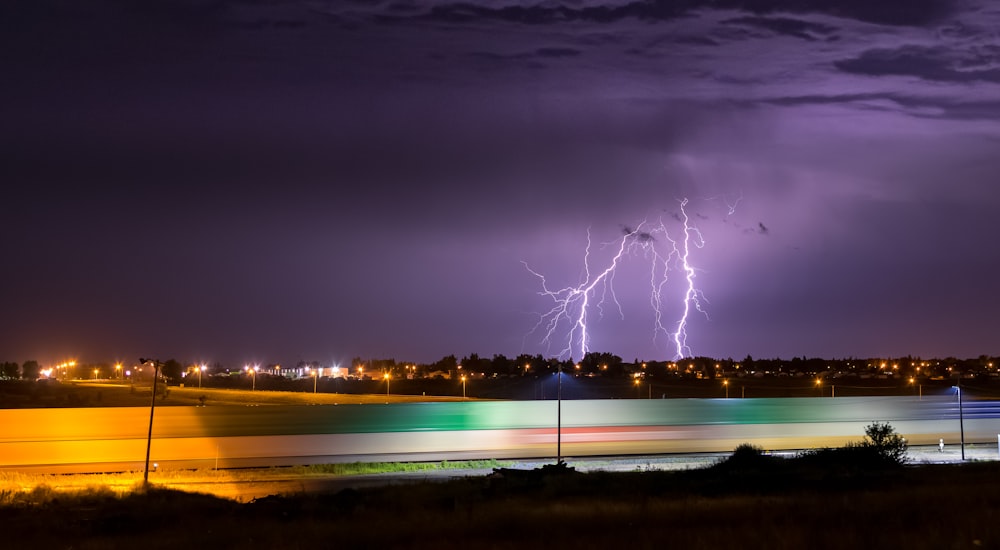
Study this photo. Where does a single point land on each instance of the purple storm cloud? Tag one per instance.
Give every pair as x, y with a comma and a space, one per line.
233, 180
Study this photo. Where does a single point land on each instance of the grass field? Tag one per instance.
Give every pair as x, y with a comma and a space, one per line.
14, 485
113, 393
109, 394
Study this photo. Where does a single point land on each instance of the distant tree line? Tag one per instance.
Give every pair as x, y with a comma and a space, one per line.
29, 370
613, 366
592, 364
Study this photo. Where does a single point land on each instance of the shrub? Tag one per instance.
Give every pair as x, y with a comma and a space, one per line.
883, 439
747, 457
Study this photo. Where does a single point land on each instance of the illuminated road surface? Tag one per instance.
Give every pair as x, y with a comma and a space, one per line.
114, 439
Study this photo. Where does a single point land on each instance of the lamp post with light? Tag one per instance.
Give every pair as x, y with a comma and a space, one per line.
463, 386
315, 376
152, 405
387, 378
201, 369
559, 461
253, 376
961, 419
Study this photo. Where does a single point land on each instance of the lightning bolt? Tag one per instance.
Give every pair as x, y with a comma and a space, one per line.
572, 304
692, 296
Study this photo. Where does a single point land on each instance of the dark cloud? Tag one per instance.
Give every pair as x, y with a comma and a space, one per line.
886, 12
357, 177
558, 13
536, 54
929, 63
913, 105
917, 12
557, 52
786, 26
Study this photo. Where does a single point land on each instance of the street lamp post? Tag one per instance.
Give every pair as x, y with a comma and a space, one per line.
387, 377
152, 406
315, 376
253, 376
961, 419
200, 370
725, 384
118, 370
463, 386
559, 415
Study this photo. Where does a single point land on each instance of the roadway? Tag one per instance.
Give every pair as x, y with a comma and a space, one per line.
114, 439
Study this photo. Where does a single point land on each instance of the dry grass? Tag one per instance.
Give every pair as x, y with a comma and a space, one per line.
954, 506
111, 394
16, 486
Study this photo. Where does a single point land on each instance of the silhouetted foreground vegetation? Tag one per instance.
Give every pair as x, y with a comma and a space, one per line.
853, 497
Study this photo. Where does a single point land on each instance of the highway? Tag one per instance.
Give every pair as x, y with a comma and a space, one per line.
114, 439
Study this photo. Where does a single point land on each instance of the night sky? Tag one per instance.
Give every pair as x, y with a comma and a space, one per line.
274, 181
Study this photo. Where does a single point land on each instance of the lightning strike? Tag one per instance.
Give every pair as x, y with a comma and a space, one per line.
692, 296
572, 304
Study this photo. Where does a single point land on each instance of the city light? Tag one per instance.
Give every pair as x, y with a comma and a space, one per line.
253, 375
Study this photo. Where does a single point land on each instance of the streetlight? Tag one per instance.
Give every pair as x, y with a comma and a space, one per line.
152, 406
387, 377
95, 374
253, 376
725, 384
200, 370
559, 461
315, 375
463, 386
833, 389
118, 370
637, 396
961, 419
